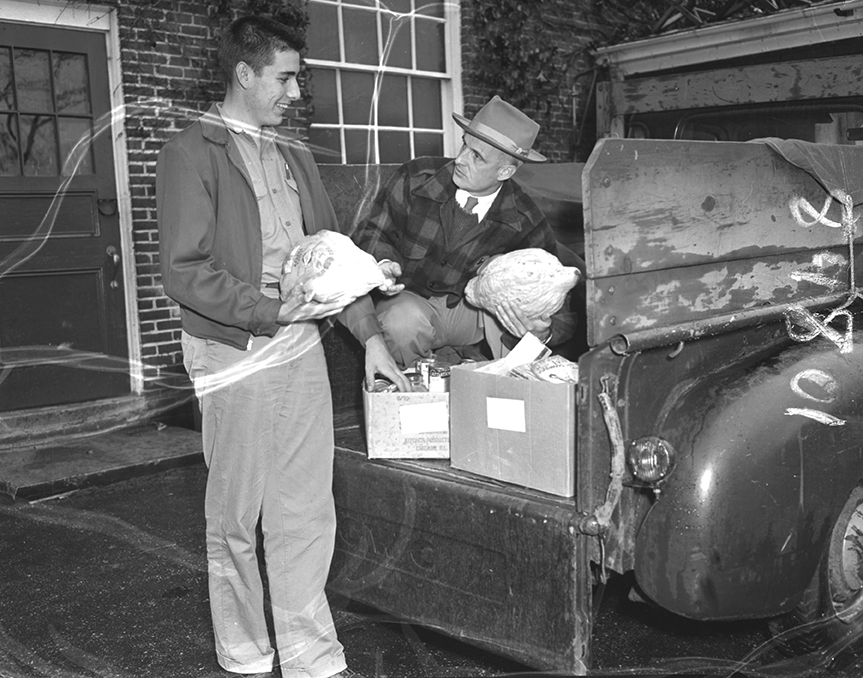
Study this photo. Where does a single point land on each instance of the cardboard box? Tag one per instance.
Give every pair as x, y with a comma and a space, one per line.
407, 425
514, 430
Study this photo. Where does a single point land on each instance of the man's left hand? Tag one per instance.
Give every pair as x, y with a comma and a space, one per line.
517, 324
391, 271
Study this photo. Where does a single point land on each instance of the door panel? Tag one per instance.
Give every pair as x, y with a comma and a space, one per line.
62, 303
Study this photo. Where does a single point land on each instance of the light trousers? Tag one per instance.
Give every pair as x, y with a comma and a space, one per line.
415, 326
268, 445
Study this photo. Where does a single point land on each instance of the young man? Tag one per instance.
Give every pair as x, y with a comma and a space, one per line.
233, 196
440, 220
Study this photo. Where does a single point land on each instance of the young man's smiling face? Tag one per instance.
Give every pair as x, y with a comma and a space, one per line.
480, 167
268, 94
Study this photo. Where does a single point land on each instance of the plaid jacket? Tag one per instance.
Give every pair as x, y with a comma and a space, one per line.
404, 225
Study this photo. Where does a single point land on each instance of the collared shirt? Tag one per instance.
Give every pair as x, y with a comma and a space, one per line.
483, 202
275, 190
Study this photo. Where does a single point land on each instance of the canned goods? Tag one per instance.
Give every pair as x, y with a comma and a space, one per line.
423, 365
384, 386
416, 380
439, 378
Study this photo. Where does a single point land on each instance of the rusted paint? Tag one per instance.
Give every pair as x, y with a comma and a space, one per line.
691, 230
761, 83
653, 210
664, 298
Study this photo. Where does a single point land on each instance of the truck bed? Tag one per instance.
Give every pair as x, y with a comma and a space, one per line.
490, 563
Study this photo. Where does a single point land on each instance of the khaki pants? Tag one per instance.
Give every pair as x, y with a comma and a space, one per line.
415, 326
268, 444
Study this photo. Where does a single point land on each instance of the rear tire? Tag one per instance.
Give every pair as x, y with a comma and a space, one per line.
830, 615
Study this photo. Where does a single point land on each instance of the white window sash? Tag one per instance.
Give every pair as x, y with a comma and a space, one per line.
451, 90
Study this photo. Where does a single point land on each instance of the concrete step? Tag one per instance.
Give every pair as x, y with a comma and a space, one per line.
86, 459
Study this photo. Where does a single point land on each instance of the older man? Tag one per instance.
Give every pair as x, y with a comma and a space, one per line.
439, 220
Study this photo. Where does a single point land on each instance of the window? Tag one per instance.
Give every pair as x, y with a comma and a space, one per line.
822, 122
384, 79
44, 112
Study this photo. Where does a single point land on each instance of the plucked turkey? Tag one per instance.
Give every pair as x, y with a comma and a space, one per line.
532, 280
327, 267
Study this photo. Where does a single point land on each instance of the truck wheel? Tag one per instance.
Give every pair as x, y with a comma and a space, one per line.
831, 612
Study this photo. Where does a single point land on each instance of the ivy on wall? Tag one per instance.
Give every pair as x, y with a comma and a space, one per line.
513, 58
290, 12
626, 20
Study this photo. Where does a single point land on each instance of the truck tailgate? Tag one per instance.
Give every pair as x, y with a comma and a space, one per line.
492, 564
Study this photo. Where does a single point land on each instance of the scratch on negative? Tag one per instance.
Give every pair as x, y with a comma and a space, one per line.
821, 417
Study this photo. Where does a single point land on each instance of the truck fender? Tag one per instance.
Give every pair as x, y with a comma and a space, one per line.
767, 455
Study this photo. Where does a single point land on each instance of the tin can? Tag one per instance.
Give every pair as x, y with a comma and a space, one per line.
423, 365
416, 380
384, 386
439, 378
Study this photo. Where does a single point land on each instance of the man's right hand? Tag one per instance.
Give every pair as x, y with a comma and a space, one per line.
391, 271
380, 361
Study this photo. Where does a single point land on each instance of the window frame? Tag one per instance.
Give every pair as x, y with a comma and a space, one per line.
450, 78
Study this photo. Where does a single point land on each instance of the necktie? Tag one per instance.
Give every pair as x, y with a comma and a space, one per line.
470, 204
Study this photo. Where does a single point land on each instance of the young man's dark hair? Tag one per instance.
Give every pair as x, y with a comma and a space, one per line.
254, 40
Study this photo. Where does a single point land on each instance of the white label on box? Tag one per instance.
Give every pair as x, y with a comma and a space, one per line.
506, 414
424, 417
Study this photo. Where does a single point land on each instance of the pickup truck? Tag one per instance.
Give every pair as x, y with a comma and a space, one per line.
719, 407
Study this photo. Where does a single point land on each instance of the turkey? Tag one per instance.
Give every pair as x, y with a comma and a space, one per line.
326, 267
531, 279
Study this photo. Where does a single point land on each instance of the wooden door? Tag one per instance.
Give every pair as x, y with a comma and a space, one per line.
62, 307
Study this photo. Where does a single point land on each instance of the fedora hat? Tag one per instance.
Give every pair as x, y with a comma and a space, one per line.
505, 127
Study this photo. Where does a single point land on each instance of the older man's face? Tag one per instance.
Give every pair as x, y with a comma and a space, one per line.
480, 167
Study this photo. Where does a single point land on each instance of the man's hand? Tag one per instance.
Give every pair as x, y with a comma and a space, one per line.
517, 324
296, 309
379, 361
392, 271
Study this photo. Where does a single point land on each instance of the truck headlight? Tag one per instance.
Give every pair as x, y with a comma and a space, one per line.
650, 459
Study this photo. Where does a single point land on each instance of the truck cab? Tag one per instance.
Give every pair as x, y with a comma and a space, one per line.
792, 74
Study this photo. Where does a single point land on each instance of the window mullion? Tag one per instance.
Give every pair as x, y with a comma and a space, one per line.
346, 73
341, 113
339, 96
58, 153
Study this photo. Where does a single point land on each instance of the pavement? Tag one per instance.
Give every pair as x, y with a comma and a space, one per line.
103, 574
104, 570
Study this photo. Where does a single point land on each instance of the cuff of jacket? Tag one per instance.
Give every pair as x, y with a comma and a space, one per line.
265, 316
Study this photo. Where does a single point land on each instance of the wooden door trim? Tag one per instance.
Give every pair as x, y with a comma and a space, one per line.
102, 19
